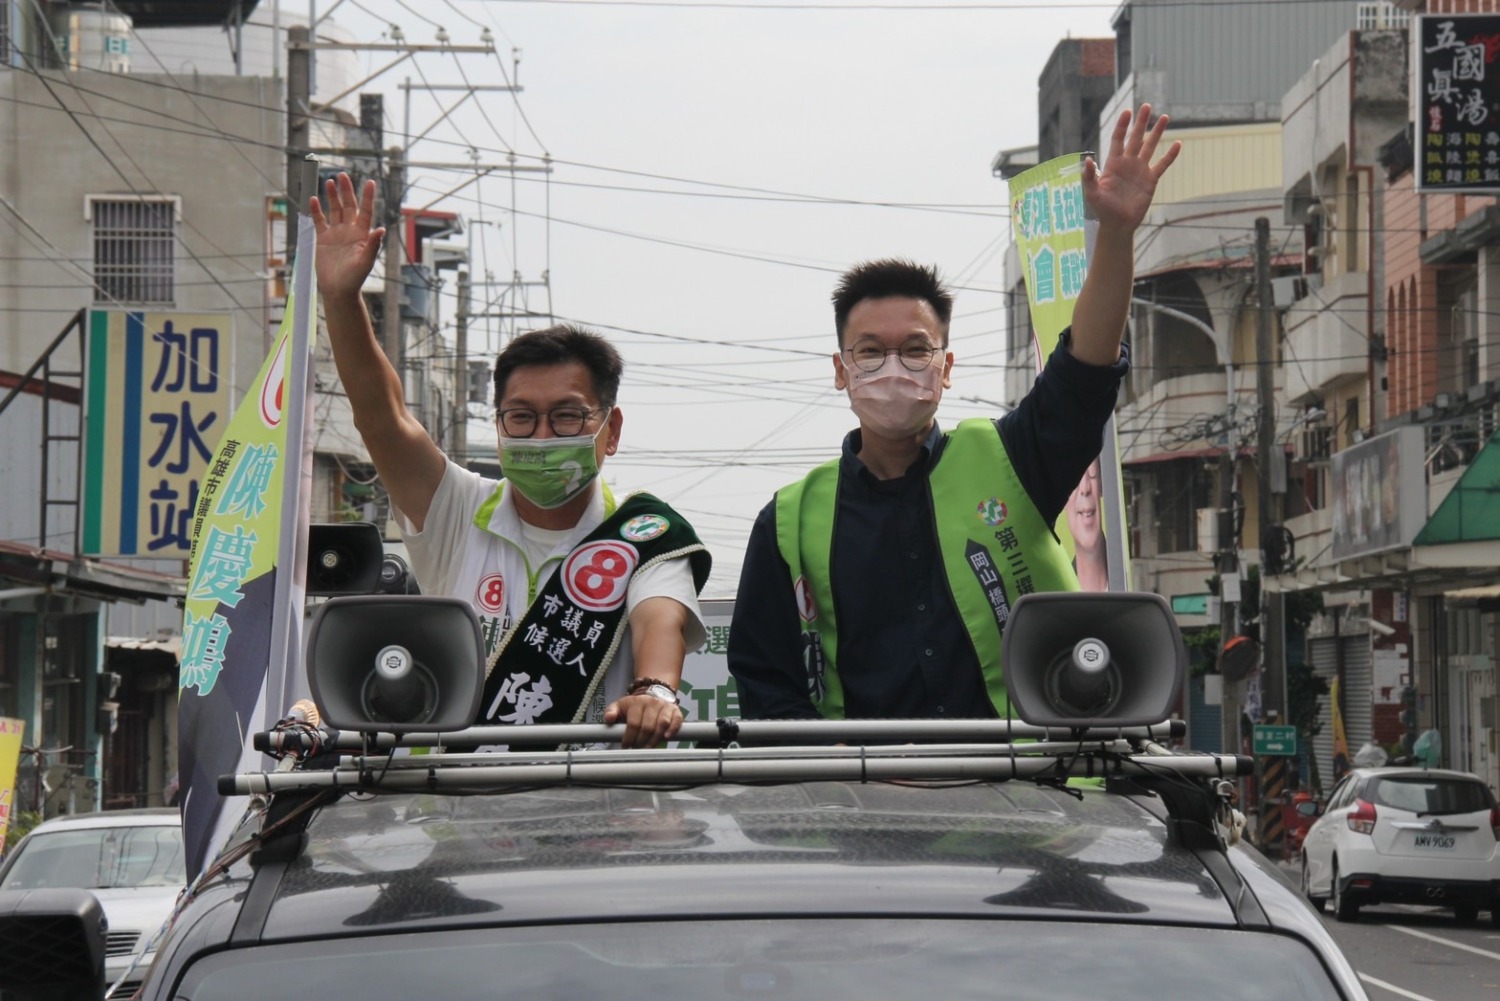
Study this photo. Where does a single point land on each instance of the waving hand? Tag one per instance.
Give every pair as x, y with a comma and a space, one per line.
347, 244
1120, 194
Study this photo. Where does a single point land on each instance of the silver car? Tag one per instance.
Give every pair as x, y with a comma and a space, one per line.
131, 860
1406, 835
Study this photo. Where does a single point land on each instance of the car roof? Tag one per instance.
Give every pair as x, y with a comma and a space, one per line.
145, 817
983, 849
1415, 771
977, 820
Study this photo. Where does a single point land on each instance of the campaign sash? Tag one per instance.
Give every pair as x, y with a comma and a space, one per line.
549, 666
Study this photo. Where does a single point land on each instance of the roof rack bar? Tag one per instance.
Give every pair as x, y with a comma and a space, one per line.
731, 765
1052, 750
783, 731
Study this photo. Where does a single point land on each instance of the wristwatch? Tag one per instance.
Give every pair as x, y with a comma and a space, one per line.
662, 692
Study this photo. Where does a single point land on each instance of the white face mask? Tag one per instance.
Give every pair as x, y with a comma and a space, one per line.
893, 401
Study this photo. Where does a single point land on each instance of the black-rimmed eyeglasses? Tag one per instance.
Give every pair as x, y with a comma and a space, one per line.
869, 354
522, 422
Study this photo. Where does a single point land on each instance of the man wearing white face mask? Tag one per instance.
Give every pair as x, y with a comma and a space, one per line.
588, 604
879, 584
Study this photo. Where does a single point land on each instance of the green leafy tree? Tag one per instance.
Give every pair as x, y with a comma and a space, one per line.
21, 822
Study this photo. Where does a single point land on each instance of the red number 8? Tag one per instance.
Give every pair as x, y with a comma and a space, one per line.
491, 594
596, 578
596, 575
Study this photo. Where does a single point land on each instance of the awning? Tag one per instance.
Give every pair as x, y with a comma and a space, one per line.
1471, 511
1220, 261
1456, 553
1205, 452
171, 644
183, 13
1463, 241
84, 575
1465, 595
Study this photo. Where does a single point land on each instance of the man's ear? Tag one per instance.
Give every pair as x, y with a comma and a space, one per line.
947, 369
840, 377
615, 422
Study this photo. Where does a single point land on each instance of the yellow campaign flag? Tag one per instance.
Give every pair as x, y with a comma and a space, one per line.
242, 614
11, 732
1053, 234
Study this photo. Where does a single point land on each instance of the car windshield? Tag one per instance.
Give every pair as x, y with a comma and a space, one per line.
812, 958
99, 858
1435, 795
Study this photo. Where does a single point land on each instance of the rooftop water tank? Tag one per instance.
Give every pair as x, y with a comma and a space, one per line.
90, 37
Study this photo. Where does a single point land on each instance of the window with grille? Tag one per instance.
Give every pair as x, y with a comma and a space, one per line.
134, 244
5, 54
1380, 15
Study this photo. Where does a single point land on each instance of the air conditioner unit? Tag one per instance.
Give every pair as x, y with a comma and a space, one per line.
1287, 289
85, 793
1208, 530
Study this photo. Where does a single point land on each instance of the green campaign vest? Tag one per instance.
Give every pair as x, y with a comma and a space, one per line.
994, 543
549, 665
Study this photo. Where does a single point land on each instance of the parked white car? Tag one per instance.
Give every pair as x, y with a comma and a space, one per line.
1406, 835
131, 860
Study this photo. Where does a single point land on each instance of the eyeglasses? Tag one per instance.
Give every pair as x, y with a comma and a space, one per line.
521, 422
869, 354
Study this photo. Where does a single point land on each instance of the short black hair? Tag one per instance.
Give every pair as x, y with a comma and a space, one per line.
559, 345
891, 277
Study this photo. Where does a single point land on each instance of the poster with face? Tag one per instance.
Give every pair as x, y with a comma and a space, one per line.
1053, 237
1086, 526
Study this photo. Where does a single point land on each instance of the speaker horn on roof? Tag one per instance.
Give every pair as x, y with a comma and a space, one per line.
1089, 659
396, 663
343, 558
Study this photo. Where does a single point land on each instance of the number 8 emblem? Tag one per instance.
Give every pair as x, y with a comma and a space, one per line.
596, 576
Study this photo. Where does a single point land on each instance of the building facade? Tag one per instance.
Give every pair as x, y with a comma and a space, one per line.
129, 190
1376, 491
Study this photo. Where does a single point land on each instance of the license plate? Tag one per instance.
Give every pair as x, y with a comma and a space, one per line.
1435, 842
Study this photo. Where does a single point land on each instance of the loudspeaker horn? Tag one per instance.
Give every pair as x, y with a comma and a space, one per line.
1087, 659
343, 558
396, 577
396, 663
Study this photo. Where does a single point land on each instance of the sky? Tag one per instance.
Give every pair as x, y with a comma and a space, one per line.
715, 167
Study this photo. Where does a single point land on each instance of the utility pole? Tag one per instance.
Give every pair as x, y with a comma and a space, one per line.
512, 311
395, 257
1226, 559
298, 132
1229, 579
460, 437
1273, 770
1273, 667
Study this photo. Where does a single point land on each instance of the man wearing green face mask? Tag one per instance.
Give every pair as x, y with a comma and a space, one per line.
588, 604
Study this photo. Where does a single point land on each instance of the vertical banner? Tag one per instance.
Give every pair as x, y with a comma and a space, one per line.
11, 733
1340, 741
157, 395
1054, 239
1457, 89
242, 624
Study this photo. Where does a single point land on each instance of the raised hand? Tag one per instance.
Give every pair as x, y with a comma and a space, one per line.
347, 245
1121, 193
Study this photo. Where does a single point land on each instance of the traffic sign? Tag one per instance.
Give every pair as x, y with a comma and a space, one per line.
1280, 740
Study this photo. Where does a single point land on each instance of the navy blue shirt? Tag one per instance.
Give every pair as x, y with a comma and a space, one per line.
903, 650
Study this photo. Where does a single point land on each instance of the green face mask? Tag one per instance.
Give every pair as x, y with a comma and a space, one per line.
550, 471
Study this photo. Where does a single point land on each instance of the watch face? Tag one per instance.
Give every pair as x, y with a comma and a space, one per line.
662, 692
